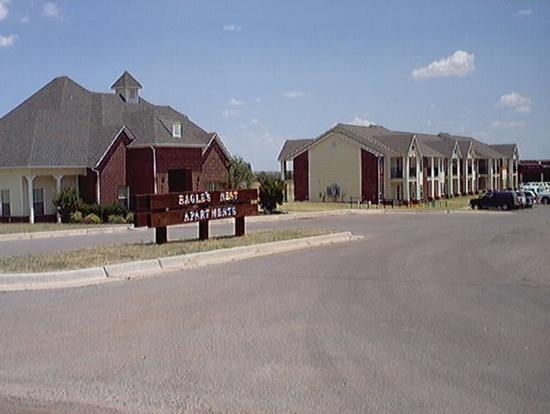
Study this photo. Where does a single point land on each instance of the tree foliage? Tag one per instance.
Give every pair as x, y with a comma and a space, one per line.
67, 202
240, 173
271, 191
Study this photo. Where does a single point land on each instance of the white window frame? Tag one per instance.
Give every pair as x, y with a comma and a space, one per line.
5, 200
124, 196
36, 200
176, 129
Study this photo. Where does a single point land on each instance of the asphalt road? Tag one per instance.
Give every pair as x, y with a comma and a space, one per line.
430, 313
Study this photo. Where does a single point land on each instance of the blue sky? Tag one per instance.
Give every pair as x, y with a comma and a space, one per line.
260, 72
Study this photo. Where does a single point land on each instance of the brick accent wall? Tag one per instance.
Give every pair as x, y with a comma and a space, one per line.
87, 186
301, 177
215, 169
369, 177
139, 171
180, 158
113, 173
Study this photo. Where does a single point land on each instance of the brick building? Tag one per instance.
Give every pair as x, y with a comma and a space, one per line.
110, 146
373, 163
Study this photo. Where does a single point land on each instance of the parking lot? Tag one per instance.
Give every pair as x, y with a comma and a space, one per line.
429, 313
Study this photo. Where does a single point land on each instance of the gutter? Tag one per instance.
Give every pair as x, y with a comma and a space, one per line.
97, 186
155, 191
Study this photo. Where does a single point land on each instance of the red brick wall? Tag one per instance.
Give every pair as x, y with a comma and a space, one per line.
180, 158
139, 171
369, 177
87, 186
113, 173
215, 169
301, 177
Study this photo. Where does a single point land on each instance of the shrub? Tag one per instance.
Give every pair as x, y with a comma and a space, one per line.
66, 201
271, 192
116, 219
129, 218
92, 219
77, 217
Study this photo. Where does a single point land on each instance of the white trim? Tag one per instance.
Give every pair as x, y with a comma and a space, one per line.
130, 135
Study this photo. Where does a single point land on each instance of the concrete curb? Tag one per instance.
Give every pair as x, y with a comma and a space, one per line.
145, 268
62, 233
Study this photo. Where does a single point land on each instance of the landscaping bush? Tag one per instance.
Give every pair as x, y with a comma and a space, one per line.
130, 218
92, 219
116, 219
66, 201
271, 192
77, 217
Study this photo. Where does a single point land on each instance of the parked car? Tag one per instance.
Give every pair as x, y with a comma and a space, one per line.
531, 198
522, 198
503, 200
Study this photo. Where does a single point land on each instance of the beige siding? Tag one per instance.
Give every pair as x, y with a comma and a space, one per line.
335, 160
14, 180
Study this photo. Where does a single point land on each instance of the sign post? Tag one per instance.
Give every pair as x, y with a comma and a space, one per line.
159, 211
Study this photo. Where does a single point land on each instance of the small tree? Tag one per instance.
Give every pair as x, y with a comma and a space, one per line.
240, 173
271, 191
66, 201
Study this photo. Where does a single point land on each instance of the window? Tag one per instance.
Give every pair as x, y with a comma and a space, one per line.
38, 201
5, 203
176, 130
123, 196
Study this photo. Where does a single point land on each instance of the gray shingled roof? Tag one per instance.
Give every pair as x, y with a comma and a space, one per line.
482, 150
291, 146
126, 81
505, 149
64, 124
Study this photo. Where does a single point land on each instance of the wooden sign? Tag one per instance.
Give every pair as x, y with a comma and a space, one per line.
162, 210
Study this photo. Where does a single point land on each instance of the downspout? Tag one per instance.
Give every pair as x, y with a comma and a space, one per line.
97, 186
155, 191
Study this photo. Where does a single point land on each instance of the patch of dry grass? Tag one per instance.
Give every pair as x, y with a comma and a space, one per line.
101, 256
12, 228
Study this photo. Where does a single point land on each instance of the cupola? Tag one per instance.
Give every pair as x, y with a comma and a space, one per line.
127, 87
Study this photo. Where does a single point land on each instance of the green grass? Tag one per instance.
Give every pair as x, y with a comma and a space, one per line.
12, 228
456, 203
101, 256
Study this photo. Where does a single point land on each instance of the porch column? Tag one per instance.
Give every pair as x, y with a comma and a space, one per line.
406, 192
458, 183
58, 179
419, 178
466, 176
450, 174
441, 174
432, 189
30, 179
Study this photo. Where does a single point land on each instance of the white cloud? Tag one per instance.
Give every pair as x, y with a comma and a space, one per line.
361, 121
519, 103
4, 11
295, 94
231, 28
230, 113
507, 125
460, 63
50, 9
235, 102
8, 41
525, 13
254, 121
24, 19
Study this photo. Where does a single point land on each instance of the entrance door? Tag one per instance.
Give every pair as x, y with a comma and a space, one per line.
180, 180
